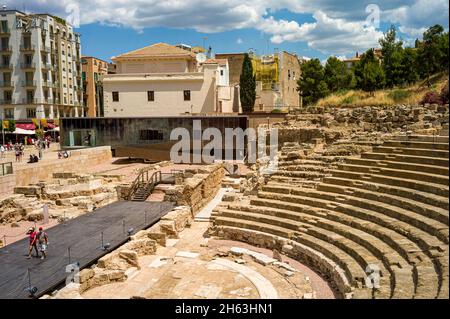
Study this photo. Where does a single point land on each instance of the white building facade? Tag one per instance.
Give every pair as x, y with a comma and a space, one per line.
164, 80
40, 67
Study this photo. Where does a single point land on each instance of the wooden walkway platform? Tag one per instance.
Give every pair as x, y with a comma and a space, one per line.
84, 237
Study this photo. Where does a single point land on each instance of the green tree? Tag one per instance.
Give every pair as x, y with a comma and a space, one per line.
368, 72
409, 65
432, 52
247, 83
11, 126
391, 50
337, 75
312, 85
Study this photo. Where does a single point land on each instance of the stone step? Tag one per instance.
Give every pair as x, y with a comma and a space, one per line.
423, 138
355, 273
424, 223
304, 162
433, 212
398, 241
300, 174
432, 169
407, 159
407, 193
411, 151
419, 176
431, 188
417, 144
360, 254
380, 250
308, 256
304, 168
424, 240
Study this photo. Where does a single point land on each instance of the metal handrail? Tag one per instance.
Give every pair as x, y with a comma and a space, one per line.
143, 178
6, 168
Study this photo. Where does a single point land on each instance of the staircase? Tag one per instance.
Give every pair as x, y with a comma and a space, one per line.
145, 183
142, 192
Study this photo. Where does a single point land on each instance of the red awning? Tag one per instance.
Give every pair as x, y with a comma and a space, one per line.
26, 126
50, 125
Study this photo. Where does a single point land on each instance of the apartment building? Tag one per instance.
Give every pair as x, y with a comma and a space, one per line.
92, 70
276, 78
40, 67
165, 80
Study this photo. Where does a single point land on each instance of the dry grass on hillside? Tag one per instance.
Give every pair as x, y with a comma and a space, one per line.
412, 95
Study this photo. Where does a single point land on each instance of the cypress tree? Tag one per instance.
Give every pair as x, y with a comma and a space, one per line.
247, 83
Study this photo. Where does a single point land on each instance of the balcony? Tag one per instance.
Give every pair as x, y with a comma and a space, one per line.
28, 84
29, 101
27, 48
46, 49
47, 84
6, 84
6, 66
29, 66
6, 49
5, 102
47, 66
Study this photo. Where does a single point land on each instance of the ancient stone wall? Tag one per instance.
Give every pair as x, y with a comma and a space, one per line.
199, 187
80, 162
121, 263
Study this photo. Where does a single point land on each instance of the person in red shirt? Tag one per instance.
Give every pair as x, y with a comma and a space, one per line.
32, 235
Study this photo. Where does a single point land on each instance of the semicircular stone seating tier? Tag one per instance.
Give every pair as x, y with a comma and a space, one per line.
376, 225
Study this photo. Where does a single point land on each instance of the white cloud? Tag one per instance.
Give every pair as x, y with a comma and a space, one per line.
338, 26
239, 41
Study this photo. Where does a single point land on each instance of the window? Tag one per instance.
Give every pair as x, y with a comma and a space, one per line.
28, 59
9, 113
187, 95
150, 96
4, 26
7, 78
115, 96
31, 113
151, 135
5, 43
7, 95
6, 60
221, 72
30, 96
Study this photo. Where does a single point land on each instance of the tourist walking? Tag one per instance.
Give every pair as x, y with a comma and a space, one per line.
32, 235
2, 150
16, 149
42, 239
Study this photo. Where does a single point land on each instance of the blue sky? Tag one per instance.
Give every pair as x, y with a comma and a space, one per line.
318, 28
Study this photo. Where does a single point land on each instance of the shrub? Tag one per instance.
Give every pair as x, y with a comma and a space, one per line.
444, 94
348, 100
277, 111
431, 98
399, 95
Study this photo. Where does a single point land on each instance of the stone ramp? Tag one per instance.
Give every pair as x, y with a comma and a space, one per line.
83, 236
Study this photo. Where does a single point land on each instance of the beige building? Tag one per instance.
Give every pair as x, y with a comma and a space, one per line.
164, 80
276, 78
40, 67
93, 69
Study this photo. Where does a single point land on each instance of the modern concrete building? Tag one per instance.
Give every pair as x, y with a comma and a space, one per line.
164, 80
40, 67
92, 70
